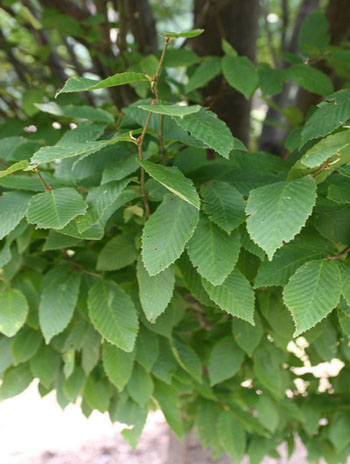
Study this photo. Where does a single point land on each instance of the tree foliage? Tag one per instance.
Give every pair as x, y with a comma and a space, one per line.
148, 259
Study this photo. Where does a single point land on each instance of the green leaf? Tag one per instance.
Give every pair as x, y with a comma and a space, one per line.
155, 291
140, 386
305, 247
144, 356
167, 399
208, 69
171, 110
76, 112
117, 253
247, 336
310, 79
25, 344
188, 359
56, 241
90, 351
212, 131
326, 119
96, 393
345, 273
339, 193
166, 233
14, 311
267, 413
270, 80
45, 365
225, 360
326, 149
173, 179
212, 252
14, 167
313, 36
240, 74
224, 205
81, 84
186, 34
312, 292
118, 365
67, 149
234, 296
113, 314
57, 304
277, 212
13, 206
54, 209
267, 368
193, 280
15, 380
339, 430
74, 385
231, 435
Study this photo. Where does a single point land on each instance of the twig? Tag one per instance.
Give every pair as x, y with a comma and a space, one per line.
154, 85
142, 177
119, 120
78, 266
339, 255
44, 184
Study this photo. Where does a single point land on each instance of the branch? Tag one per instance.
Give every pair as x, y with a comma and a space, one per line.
17, 65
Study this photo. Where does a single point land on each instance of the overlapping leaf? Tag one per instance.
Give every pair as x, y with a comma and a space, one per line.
312, 292
277, 212
212, 252
166, 233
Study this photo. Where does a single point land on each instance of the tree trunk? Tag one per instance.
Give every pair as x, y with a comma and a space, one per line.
190, 451
237, 22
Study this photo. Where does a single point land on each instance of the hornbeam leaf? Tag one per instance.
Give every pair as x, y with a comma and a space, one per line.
209, 69
234, 296
240, 74
310, 78
54, 209
312, 292
277, 212
155, 291
13, 311
14, 167
58, 301
213, 252
225, 360
13, 207
224, 204
69, 150
118, 364
171, 110
212, 131
82, 84
113, 314
188, 359
231, 435
186, 34
166, 233
173, 179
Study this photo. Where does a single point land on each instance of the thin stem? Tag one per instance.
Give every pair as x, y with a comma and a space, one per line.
78, 266
142, 177
340, 255
156, 93
119, 120
44, 184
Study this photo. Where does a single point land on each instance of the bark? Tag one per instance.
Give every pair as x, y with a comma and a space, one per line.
237, 22
190, 451
142, 25
271, 138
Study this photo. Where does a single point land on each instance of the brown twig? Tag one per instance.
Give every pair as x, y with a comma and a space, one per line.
339, 255
78, 266
44, 184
